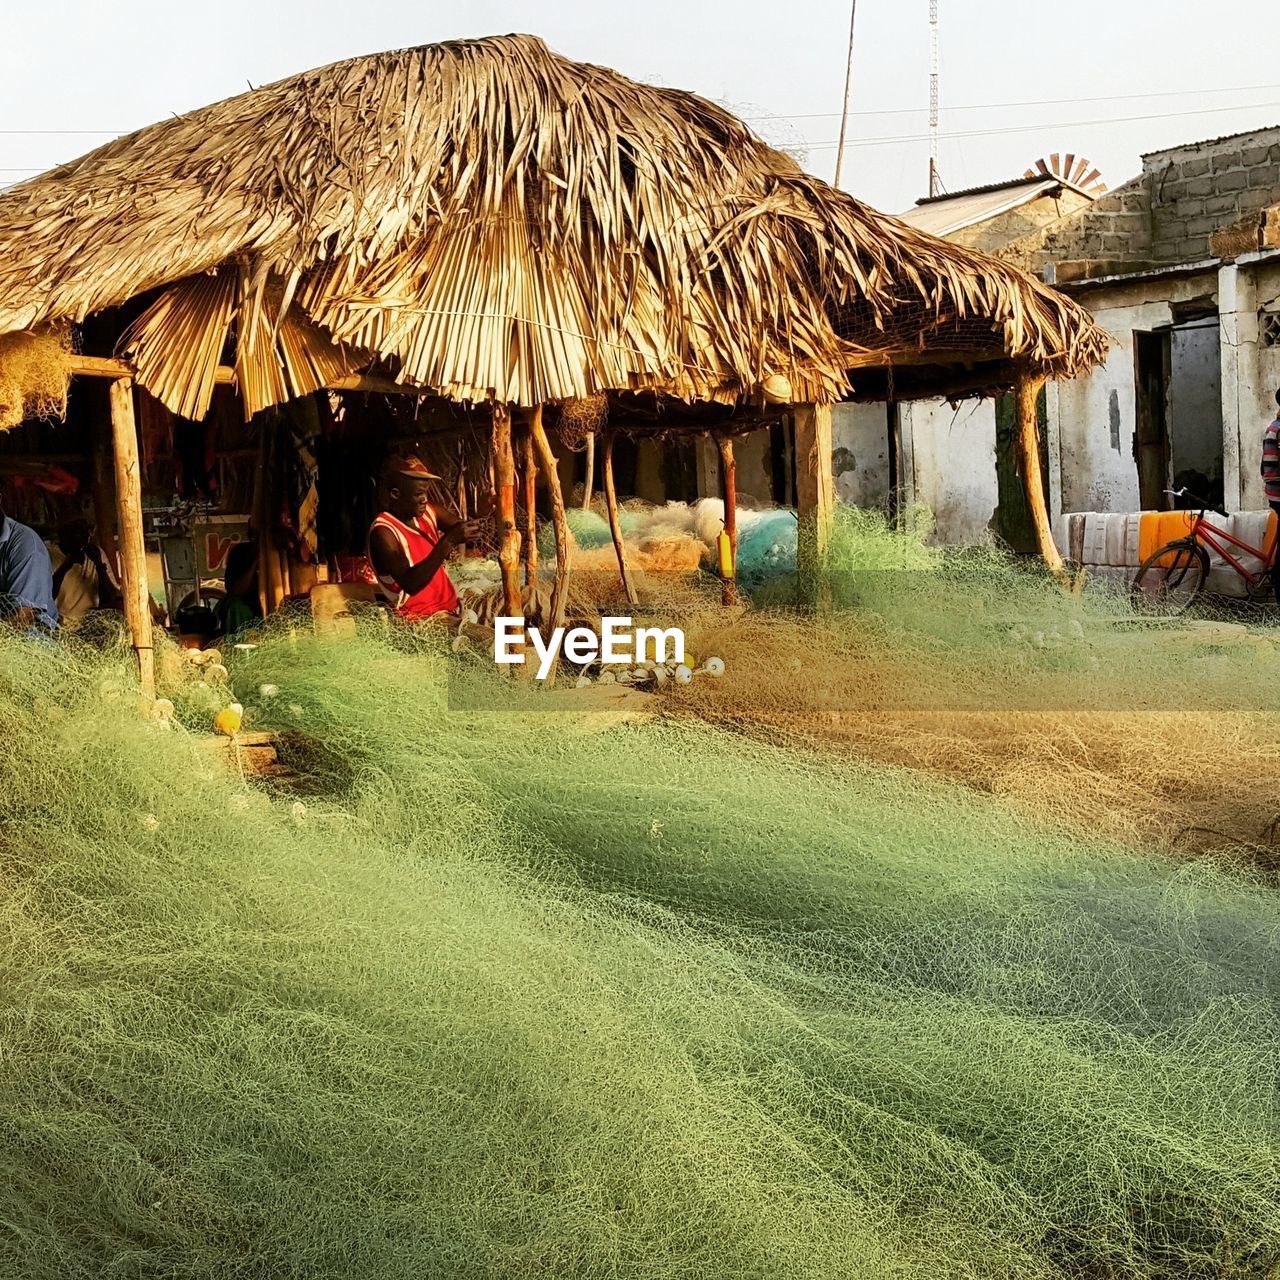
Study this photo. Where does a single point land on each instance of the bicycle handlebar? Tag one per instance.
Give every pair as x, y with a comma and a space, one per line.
1204, 503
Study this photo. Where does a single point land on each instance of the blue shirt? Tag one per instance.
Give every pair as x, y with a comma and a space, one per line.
26, 578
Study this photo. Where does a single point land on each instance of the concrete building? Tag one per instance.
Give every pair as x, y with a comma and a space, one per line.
1181, 266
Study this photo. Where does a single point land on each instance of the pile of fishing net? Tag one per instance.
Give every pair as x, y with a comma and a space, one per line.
502, 996
680, 537
1068, 707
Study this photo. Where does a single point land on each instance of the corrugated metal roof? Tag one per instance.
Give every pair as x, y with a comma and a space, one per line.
943, 215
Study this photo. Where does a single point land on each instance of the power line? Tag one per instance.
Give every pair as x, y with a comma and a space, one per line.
1041, 128
890, 140
1040, 102
834, 115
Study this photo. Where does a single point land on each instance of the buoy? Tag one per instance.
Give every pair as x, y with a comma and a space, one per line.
268, 690
228, 721
715, 667
607, 677
684, 673
724, 550
216, 672
582, 682
212, 657
777, 389
299, 812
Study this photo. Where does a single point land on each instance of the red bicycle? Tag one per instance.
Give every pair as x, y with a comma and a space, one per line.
1170, 580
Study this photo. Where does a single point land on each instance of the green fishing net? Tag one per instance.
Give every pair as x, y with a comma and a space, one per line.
528, 992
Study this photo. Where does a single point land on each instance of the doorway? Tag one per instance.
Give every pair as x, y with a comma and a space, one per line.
1178, 440
1152, 353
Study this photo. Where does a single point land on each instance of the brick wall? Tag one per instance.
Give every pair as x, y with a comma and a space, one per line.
1199, 189
1174, 211
1112, 231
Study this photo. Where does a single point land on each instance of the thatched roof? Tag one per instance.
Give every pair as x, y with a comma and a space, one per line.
495, 221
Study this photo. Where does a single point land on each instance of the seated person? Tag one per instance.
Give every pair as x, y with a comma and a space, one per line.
240, 609
410, 541
26, 580
82, 580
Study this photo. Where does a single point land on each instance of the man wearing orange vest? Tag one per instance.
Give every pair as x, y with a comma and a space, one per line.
410, 541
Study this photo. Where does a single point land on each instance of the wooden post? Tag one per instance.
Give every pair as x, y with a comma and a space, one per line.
503, 466
591, 471
815, 490
133, 549
615, 524
894, 445
558, 520
530, 461
1027, 451
104, 488
462, 485
271, 579
729, 488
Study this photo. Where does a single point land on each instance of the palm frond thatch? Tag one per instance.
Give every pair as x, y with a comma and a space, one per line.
499, 222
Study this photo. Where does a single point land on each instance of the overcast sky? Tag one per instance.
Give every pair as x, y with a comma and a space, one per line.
1108, 79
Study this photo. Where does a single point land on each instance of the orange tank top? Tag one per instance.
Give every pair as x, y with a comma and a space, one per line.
417, 540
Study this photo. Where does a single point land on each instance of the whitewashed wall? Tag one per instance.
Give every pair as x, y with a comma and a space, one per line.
953, 466
860, 447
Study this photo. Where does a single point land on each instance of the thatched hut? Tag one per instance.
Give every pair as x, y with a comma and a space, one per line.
491, 224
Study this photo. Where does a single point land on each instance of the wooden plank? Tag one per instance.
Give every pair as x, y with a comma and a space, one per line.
224, 375
133, 551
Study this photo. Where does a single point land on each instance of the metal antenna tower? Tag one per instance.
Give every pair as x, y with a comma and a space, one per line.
934, 185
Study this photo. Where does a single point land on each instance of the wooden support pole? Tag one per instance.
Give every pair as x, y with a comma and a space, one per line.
815, 489
503, 465
462, 486
104, 489
615, 524
258, 519
729, 488
591, 471
133, 549
530, 460
1027, 451
560, 523
893, 443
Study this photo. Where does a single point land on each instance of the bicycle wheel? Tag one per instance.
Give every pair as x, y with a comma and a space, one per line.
1170, 580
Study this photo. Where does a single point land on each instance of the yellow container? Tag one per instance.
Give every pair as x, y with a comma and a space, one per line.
725, 547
